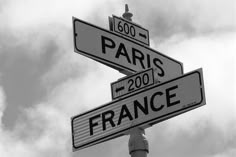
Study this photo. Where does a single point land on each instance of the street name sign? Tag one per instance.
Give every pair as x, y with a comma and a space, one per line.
123, 54
141, 109
130, 29
132, 83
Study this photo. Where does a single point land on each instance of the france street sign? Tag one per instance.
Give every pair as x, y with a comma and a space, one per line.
130, 29
142, 109
121, 53
132, 83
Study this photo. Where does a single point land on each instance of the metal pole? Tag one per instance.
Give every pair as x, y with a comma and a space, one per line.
138, 144
127, 15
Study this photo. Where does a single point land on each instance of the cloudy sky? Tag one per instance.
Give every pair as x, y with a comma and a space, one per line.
43, 83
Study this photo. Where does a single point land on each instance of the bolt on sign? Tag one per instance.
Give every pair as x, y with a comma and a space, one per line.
141, 109
121, 53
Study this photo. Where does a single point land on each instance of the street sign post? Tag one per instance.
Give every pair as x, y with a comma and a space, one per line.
121, 53
132, 83
130, 29
141, 109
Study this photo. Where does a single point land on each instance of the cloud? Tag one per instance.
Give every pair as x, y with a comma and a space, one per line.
167, 18
24, 14
199, 138
44, 128
195, 33
2, 105
35, 134
35, 46
22, 63
208, 131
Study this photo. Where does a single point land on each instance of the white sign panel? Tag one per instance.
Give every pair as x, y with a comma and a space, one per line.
132, 83
142, 109
121, 53
131, 30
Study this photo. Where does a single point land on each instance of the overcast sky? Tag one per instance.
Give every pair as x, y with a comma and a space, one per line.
43, 82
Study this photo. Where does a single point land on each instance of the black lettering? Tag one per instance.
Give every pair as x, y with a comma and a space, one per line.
144, 108
122, 49
131, 85
152, 102
124, 113
168, 96
145, 79
110, 43
138, 82
155, 62
107, 119
148, 61
137, 55
92, 124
